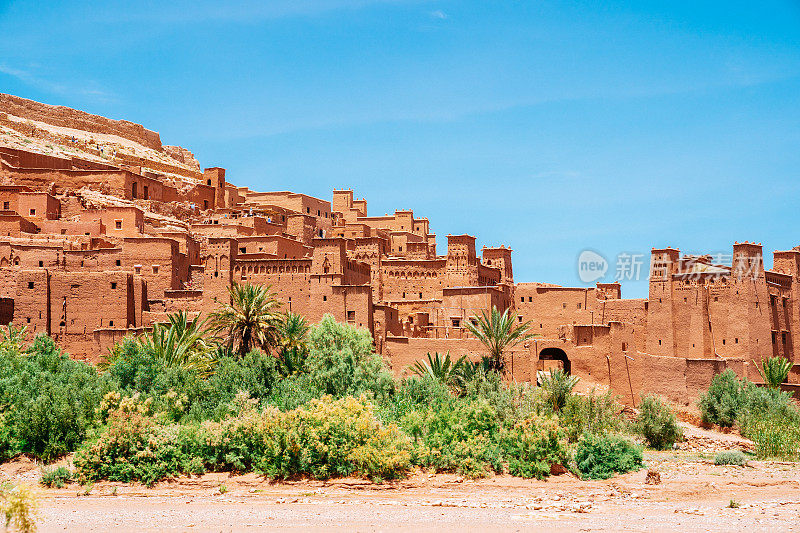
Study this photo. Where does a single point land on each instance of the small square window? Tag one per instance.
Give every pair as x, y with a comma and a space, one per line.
324, 298
110, 322
30, 284
41, 263
33, 211
351, 316
118, 224
456, 322
113, 285
6, 206
155, 269
119, 262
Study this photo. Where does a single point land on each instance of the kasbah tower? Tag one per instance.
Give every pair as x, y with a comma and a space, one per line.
104, 231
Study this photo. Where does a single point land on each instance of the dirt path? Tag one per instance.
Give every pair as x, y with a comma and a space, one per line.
694, 495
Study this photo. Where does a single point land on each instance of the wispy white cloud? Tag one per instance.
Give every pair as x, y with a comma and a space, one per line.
42, 83
439, 14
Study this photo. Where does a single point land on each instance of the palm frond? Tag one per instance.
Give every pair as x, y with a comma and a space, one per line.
558, 386
249, 320
453, 374
498, 332
180, 343
292, 344
774, 371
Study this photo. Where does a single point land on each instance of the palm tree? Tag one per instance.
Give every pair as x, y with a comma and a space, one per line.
497, 332
292, 343
452, 374
558, 386
180, 343
774, 371
250, 320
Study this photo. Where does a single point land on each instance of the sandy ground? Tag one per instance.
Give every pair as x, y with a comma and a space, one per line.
693, 495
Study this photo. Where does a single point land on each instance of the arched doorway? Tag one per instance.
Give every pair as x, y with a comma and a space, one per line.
553, 358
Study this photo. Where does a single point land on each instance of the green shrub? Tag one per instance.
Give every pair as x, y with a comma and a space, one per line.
758, 402
56, 477
133, 447
595, 413
765, 415
414, 394
133, 368
775, 437
603, 456
512, 401
341, 361
293, 391
48, 400
532, 446
256, 374
201, 397
720, 405
468, 437
8, 444
730, 457
330, 437
325, 438
657, 423
457, 436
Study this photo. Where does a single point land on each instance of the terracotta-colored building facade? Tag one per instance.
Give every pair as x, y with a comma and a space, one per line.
107, 237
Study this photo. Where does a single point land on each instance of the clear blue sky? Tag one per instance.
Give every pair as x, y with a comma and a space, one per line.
548, 126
